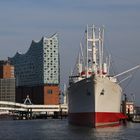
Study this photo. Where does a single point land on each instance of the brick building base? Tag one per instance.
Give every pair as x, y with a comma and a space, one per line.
47, 94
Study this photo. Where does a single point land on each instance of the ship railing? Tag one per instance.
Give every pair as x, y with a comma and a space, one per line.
74, 79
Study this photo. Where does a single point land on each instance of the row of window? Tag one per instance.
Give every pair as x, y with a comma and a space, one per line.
50, 91
50, 42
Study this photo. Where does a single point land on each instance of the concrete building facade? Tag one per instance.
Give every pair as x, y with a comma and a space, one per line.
7, 82
37, 72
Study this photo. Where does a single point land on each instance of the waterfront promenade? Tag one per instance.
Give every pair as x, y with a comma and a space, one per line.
18, 108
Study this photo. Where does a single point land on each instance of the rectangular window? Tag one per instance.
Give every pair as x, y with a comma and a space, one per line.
50, 91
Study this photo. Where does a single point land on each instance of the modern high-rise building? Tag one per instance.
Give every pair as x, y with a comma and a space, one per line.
37, 72
7, 81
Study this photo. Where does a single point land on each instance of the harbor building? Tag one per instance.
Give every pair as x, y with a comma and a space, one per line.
37, 72
7, 81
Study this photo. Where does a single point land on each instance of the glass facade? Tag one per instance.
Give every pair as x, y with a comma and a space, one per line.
39, 65
51, 60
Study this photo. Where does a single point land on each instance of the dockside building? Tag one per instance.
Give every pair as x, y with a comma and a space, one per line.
37, 72
7, 81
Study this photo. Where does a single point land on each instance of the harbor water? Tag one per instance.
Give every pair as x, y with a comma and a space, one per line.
56, 129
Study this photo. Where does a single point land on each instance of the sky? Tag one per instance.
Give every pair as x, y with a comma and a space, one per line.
22, 21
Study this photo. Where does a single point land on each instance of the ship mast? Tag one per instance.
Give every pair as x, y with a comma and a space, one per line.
92, 39
87, 52
100, 53
94, 63
101, 43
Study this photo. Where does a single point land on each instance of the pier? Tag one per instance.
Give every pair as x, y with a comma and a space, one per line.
23, 111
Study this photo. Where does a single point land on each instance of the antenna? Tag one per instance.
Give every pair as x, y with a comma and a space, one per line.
87, 51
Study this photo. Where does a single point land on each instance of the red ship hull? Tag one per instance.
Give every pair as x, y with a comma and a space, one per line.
98, 119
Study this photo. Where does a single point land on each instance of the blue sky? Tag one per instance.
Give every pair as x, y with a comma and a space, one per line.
22, 21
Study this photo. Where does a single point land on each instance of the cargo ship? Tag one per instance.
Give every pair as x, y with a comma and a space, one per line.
94, 96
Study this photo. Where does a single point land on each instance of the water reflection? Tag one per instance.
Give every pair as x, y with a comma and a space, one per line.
108, 133
60, 130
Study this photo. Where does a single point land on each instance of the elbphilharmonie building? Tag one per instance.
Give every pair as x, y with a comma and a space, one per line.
37, 72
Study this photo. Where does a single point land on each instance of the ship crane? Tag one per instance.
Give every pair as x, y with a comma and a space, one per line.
136, 67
